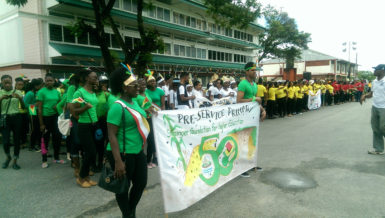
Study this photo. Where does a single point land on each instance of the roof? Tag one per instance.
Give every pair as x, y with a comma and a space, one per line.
307, 55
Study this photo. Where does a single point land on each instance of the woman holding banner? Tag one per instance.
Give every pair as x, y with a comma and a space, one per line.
127, 136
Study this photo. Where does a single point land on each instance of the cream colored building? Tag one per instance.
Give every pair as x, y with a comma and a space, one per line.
320, 66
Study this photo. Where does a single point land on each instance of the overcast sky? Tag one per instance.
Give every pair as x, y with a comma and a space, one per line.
332, 22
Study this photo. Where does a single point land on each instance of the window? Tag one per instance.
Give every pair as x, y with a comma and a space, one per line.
182, 50
152, 12
219, 30
210, 55
199, 53
116, 5
55, 32
193, 52
68, 37
199, 24
176, 50
228, 32
193, 22
188, 52
181, 19
203, 53
167, 48
204, 25
93, 39
136, 42
167, 15
127, 5
175, 17
249, 37
128, 41
114, 42
213, 28
159, 13
134, 6
188, 21
83, 39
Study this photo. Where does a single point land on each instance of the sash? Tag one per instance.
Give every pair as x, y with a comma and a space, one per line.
141, 122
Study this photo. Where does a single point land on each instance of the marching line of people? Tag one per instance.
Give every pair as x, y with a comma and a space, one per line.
104, 113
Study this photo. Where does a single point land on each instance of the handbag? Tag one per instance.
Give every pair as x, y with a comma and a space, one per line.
3, 117
107, 180
64, 123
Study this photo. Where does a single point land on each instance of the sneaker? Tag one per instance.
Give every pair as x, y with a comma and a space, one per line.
259, 168
44, 165
15, 166
59, 161
68, 156
376, 152
83, 183
91, 182
6, 163
245, 174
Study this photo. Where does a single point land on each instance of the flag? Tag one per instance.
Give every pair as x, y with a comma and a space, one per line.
32, 109
146, 100
78, 100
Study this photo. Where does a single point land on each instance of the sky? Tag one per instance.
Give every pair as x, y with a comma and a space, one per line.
333, 22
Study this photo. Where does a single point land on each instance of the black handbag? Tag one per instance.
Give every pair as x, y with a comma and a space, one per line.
107, 180
3, 117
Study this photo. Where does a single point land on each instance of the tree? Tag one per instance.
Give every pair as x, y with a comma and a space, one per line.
282, 39
365, 75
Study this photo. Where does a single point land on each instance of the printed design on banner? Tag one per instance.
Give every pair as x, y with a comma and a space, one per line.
213, 157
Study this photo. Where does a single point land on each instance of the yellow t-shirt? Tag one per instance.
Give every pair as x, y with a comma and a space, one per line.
316, 87
300, 92
291, 91
272, 92
281, 92
323, 89
330, 88
309, 88
261, 91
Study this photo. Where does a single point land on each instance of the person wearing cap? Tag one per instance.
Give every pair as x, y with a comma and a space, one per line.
247, 92
378, 109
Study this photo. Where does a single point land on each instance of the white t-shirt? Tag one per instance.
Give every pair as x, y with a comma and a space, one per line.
166, 91
173, 98
378, 89
198, 95
214, 91
190, 102
225, 94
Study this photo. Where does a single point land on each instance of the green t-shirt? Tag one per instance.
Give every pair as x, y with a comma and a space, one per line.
102, 107
61, 104
156, 96
30, 99
49, 99
140, 98
70, 93
111, 99
133, 140
12, 102
91, 99
249, 90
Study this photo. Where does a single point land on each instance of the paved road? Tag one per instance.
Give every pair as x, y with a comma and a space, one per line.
315, 165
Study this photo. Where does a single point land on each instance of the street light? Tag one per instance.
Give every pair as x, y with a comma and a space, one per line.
353, 46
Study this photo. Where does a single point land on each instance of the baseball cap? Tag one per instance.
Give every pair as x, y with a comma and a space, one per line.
379, 67
250, 66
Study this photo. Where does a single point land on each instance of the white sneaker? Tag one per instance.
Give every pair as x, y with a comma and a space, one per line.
44, 165
376, 152
245, 174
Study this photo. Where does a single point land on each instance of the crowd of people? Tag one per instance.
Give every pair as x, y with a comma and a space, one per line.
100, 123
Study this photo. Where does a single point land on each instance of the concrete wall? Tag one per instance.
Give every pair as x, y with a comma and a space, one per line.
27, 72
11, 42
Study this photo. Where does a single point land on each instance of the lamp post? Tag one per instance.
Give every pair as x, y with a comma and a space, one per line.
347, 46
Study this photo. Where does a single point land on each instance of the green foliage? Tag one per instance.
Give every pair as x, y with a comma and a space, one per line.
18, 3
282, 39
229, 13
368, 75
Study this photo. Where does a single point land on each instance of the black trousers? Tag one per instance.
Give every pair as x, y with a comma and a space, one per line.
74, 134
329, 98
336, 97
291, 105
299, 105
282, 106
270, 108
151, 145
52, 129
87, 142
136, 172
101, 144
304, 102
35, 132
14, 125
24, 128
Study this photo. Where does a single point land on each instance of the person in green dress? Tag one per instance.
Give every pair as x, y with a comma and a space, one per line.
46, 101
9, 101
84, 105
30, 101
132, 163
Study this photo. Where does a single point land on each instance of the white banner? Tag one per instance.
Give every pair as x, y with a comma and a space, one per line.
314, 101
199, 150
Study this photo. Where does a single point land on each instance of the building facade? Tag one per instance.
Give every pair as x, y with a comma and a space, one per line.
35, 39
319, 65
